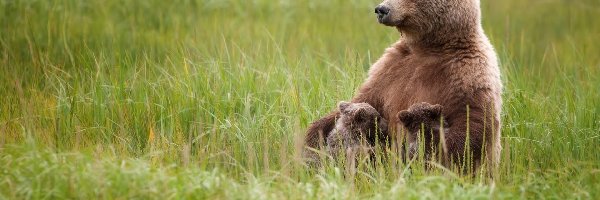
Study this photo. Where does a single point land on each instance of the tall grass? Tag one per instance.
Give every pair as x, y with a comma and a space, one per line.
210, 99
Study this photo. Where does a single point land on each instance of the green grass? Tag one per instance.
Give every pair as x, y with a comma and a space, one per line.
208, 99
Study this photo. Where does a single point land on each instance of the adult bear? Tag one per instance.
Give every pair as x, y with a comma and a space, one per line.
443, 58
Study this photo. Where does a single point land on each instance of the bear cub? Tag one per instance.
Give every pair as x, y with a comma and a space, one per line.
424, 120
356, 131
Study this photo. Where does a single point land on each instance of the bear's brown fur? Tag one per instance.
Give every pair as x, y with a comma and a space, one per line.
424, 125
443, 58
357, 130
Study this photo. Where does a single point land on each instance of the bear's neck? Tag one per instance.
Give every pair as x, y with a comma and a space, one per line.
443, 40
459, 28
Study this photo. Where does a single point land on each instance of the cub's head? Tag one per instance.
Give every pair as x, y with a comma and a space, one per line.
421, 114
358, 114
421, 117
423, 16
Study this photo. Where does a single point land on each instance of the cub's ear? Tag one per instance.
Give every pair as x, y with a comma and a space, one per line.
343, 106
436, 110
361, 113
405, 117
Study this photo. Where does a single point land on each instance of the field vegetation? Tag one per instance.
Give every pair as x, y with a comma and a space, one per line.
209, 99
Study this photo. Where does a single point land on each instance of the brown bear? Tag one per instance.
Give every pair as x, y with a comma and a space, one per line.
443, 57
424, 126
357, 130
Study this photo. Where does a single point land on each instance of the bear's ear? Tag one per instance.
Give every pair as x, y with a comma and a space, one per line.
435, 111
405, 117
364, 114
343, 106
359, 114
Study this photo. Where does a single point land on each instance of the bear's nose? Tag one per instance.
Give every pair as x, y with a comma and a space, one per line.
382, 11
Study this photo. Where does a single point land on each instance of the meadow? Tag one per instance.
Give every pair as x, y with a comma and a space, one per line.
209, 99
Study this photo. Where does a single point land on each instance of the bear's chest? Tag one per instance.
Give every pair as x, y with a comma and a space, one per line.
412, 80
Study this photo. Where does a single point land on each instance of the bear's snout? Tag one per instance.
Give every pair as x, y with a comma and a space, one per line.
382, 12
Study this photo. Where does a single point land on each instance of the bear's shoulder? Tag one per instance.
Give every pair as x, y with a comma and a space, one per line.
474, 69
